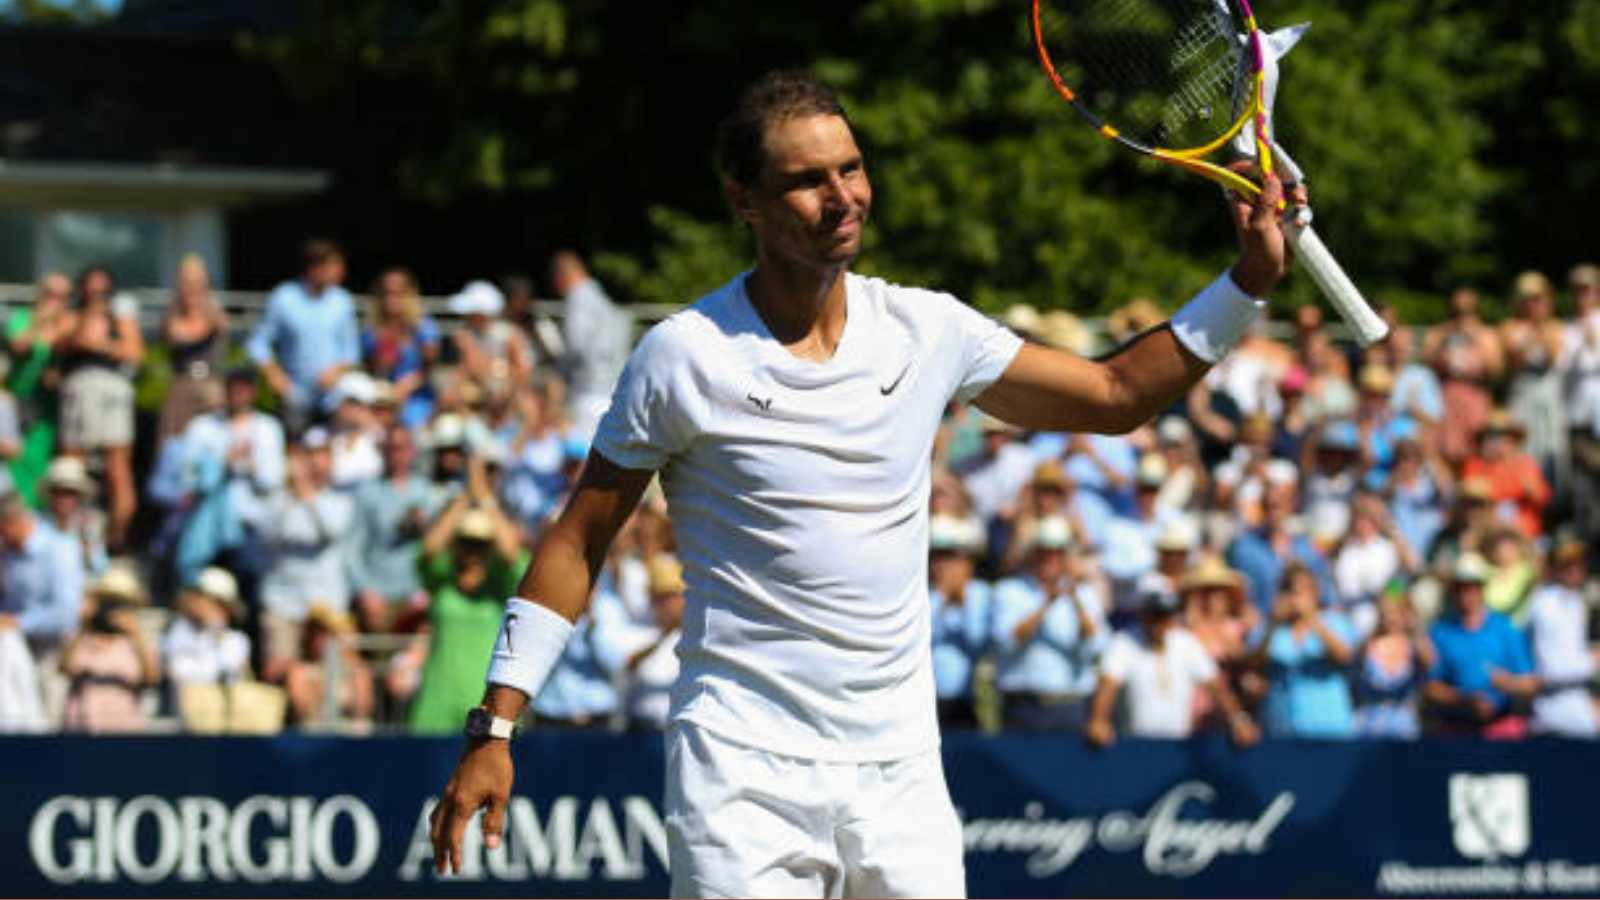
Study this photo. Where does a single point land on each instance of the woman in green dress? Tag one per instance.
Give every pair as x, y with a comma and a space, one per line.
470, 561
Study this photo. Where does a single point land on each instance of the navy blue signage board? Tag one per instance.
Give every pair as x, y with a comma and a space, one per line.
1043, 817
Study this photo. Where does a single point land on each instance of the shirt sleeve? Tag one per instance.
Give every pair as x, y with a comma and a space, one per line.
984, 348
1119, 659
1193, 658
1012, 604
651, 414
57, 616
349, 334
260, 344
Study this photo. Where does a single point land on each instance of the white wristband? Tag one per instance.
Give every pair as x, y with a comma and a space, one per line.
1216, 319
532, 639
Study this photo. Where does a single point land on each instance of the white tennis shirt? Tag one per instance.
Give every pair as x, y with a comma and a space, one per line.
798, 492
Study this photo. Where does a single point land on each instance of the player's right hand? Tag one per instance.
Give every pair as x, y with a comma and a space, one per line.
1100, 733
482, 780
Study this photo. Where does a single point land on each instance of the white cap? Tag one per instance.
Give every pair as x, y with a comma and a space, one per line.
1180, 535
1152, 470
447, 431
69, 472
1051, 533
1174, 430
1281, 471
219, 583
1470, 568
478, 297
357, 387
952, 533
315, 438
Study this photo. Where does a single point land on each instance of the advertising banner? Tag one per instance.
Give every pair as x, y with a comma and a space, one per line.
1043, 817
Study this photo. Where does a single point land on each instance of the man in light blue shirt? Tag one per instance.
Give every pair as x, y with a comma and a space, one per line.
308, 336
41, 577
961, 613
598, 337
1049, 631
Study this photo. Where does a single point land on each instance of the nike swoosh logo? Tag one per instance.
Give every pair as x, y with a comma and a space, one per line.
511, 619
886, 391
763, 405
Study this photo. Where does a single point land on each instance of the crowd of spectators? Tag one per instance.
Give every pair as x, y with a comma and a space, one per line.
1318, 541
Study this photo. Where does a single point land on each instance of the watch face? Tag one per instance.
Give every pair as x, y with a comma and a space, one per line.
477, 722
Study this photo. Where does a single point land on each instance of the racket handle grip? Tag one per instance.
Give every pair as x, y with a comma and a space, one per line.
1335, 285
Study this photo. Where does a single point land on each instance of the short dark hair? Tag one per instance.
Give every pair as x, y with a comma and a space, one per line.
773, 98
319, 250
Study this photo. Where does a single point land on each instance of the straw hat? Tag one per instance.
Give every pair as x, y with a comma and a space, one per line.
119, 583
1023, 317
1049, 474
1065, 331
1210, 572
1376, 378
1569, 550
324, 616
220, 585
1152, 470
666, 575
69, 474
1051, 533
475, 525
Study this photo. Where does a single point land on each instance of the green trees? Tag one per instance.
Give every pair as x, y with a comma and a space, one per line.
1446, 141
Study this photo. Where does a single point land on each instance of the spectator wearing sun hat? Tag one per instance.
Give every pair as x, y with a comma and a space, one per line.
69, 498
204, 645
1483, 662
1517, 484
1128, 543
354, 436
470, 561
962, 606
486, 345
328, 653
109, 663
994, 477
1379, 426
308, 534
651, 670
1049, 629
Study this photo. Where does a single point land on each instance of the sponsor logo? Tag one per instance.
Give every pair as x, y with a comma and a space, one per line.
1490, 821
611, 843
148, 839
1489, 815
1168, 842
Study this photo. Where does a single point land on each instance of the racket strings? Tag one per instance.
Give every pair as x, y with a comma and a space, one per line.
1166, 73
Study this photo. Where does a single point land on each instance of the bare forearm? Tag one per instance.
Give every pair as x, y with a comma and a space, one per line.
1052, 391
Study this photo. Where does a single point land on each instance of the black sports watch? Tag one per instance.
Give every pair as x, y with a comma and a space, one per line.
483, 724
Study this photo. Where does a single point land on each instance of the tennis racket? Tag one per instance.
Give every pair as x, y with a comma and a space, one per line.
1178, 80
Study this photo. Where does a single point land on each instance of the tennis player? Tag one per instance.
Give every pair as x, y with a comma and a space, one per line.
790, 414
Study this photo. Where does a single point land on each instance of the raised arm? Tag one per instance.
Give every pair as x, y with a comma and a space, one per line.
566, 562
1049, 390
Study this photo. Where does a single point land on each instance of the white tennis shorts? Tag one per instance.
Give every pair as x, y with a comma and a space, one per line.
743, 822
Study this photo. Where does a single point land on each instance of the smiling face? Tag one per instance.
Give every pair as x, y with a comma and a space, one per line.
810, 202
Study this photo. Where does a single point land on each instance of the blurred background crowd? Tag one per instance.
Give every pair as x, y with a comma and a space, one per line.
310, 517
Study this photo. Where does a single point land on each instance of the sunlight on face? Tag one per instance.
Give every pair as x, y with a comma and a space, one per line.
812, 200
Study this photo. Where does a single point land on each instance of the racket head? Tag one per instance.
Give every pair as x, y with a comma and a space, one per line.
1168, 78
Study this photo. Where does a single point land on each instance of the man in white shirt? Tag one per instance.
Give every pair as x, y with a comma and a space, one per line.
1558, 629
1157, 671
791, 415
